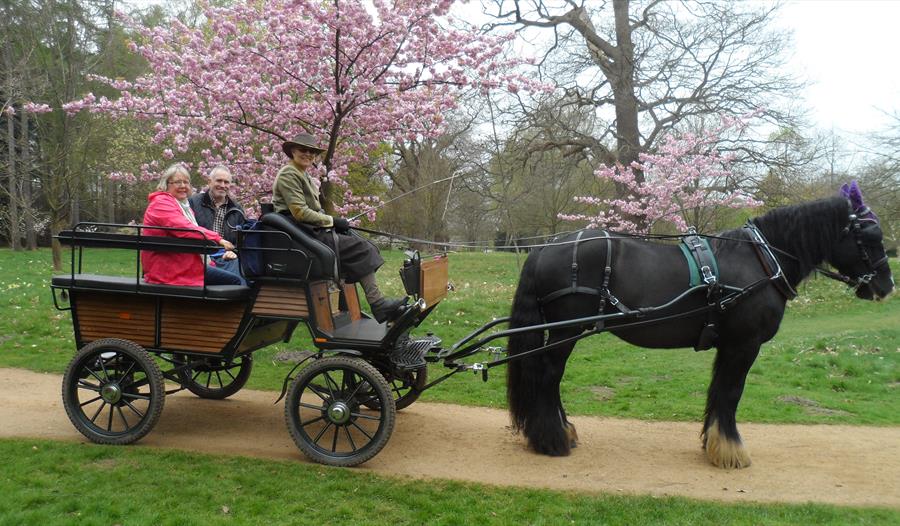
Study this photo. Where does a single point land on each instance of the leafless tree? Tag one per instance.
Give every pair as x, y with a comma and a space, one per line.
639, 69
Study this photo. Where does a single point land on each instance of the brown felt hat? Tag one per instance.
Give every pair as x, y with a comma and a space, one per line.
303, 140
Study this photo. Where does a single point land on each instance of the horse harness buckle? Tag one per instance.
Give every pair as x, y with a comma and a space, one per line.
700, 258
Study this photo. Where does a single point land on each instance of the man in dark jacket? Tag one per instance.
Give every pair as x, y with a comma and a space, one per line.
217, 211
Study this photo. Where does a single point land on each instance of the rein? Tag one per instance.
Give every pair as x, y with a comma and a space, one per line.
765, 251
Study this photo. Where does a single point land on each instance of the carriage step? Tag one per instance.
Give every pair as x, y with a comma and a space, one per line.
410, 355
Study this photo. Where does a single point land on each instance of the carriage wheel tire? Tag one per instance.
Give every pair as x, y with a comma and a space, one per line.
326, 408
203, 380
406, 392
113, 391
420, 378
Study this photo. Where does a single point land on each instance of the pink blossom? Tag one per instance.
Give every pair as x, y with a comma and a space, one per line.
353, 73
687, 172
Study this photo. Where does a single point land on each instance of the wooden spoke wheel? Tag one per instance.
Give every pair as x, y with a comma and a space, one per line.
340, 411
213, 378
113, 391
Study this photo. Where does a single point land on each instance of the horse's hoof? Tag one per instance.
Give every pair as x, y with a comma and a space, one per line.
572, 436
557, 446
724, 452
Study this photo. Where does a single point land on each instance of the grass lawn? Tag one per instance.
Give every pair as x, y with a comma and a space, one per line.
52, 483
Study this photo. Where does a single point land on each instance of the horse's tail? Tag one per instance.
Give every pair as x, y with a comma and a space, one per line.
523, 376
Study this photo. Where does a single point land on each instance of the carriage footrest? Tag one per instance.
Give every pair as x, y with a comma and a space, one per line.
410, 354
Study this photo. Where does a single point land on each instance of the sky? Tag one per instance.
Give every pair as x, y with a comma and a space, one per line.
848, 49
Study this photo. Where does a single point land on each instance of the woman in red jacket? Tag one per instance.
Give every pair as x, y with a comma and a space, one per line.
169, 207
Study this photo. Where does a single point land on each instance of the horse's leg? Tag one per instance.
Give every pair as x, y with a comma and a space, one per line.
720, 436
548, 430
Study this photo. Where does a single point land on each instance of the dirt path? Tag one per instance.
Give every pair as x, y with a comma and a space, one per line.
841, 465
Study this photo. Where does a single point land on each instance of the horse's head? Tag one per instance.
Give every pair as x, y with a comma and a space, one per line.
859, 254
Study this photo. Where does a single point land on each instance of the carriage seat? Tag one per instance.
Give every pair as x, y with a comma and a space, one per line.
294, 254
129, 284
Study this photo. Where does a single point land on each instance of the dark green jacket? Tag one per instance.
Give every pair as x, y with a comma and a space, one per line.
294, 191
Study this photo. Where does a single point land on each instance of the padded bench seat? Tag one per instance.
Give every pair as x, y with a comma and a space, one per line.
129, 284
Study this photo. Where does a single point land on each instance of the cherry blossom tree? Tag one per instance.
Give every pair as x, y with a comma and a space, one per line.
353, 73
688, 172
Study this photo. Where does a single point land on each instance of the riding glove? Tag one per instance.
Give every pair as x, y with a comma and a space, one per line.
341, 225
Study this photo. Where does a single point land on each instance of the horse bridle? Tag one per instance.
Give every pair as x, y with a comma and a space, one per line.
854, 228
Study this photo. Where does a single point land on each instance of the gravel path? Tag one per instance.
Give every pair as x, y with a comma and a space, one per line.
843, 465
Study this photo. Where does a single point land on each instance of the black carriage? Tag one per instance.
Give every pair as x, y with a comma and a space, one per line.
138, 342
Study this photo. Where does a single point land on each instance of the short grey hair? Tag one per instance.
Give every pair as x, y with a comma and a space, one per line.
163, 183
219, 168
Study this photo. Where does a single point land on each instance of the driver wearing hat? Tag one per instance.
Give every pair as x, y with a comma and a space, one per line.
295, 194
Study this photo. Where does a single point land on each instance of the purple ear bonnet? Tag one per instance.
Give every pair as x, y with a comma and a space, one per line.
853, 193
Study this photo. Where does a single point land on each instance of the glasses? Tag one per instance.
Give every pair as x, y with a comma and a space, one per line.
179, 183
306, 151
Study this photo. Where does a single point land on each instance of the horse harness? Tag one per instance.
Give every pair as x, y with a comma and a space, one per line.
602, 291
854, 228
702, 265
704, 272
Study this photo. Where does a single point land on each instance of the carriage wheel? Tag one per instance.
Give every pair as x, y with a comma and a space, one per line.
113, 391
214, 378
406, 389
327, 415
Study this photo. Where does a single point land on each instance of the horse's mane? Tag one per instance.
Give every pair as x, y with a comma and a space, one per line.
807, 231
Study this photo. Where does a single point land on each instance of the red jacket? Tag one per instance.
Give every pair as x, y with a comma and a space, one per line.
172, 268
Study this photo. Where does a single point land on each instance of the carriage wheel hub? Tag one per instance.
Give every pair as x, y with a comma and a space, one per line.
339, 413
111, 393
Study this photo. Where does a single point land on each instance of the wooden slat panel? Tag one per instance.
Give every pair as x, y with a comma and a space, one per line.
352, 300
128, 317
434, 277
281, 300
319, 293
283, 311
198, 325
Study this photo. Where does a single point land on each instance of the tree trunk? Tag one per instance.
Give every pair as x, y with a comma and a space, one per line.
14, 234
110, 197
27, 201
628, 135
57, 224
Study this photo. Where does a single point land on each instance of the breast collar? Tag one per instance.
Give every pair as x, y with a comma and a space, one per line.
769, 262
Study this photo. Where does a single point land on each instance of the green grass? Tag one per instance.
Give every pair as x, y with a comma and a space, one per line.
54, 483
835, 359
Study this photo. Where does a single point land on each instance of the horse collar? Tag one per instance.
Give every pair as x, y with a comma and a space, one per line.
769, 262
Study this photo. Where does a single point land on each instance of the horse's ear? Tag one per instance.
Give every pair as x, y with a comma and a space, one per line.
855, 195
845, 191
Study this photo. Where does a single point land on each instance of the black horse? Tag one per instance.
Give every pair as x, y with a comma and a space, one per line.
840, 231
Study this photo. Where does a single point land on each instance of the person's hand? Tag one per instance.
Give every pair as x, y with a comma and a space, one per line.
341, 225
229, 255
226, 244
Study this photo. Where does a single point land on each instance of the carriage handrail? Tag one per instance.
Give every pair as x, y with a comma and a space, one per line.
79, 237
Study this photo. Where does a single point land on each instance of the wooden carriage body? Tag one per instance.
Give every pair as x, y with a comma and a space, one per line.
227, 321
203, 339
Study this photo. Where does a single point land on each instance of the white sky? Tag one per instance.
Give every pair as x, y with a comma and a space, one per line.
849, 51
